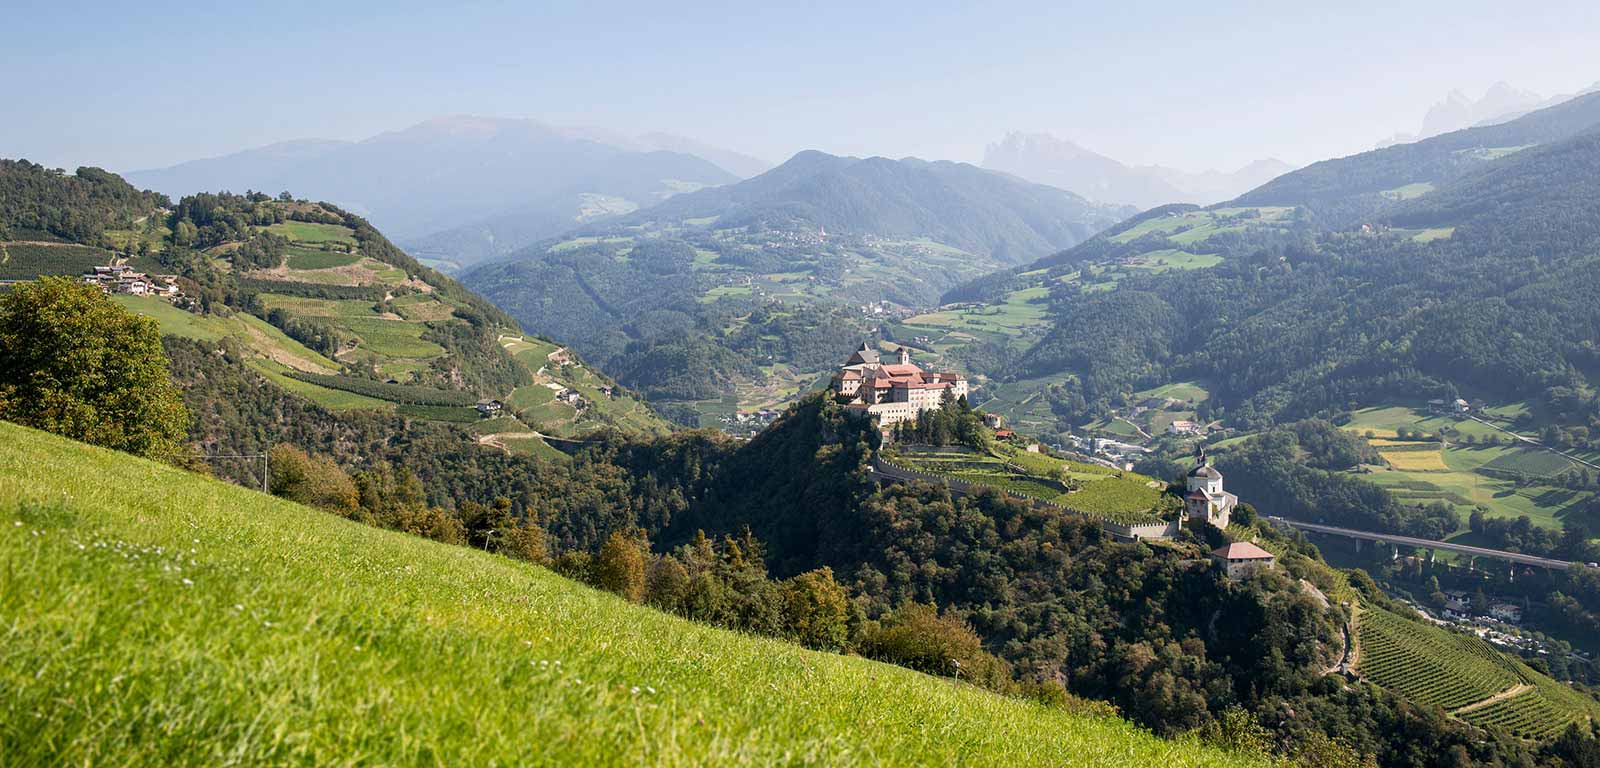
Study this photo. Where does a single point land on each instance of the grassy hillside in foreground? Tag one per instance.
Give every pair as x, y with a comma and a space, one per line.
153, 617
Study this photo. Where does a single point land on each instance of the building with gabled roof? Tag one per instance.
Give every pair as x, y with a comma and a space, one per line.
1241, 557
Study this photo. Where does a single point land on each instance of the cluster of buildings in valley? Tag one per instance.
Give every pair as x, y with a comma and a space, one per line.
119, 278
897, 391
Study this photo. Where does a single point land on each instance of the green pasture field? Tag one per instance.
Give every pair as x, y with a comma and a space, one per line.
301, 257
157, 618
392, 338
310, 232
1409, 191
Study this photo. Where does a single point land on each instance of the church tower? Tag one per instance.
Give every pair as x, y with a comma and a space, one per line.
1206, 500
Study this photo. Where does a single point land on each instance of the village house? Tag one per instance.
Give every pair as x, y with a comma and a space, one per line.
570, 397
1242, 557
897, 391
489, 408
1183, 427
1206, 501
1506, 612
119, 278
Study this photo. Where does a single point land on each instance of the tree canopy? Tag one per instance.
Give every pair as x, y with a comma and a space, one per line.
75, 363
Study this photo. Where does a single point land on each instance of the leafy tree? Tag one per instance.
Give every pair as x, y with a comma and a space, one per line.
816, 610
620, 568
75, 363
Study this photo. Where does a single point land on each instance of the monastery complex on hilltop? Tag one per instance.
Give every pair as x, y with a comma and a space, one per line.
897, 391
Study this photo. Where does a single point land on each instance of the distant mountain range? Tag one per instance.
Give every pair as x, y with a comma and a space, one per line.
1060, 163
462, 189
977, 210
1501, 103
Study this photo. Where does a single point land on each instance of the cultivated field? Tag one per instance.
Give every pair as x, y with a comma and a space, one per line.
1464, 674
1100, 491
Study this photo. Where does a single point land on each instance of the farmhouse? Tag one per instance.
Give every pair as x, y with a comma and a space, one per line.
122, 279
1205, 500
897, 391
489, 407
1241, 557
1506, 612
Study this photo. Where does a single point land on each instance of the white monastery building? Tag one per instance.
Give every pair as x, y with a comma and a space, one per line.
897, 391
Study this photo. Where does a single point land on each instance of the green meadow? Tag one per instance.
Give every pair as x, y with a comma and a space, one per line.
152, 617
310, 232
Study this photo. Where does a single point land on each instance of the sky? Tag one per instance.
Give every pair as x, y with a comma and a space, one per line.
1189, 85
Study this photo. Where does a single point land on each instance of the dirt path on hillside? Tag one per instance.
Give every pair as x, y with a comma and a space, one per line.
1501, 696
1354, 656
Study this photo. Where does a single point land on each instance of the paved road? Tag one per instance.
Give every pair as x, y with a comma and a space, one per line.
1410, 541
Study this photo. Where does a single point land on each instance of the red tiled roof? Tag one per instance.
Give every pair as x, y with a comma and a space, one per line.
1198, 496
901, 369
1242, 550
851, 375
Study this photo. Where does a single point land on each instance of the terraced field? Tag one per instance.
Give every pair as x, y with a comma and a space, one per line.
1541, 712
1430, 665
1100, 491
1465, 675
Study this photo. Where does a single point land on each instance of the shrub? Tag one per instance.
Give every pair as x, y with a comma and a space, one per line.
621, 565
918, 637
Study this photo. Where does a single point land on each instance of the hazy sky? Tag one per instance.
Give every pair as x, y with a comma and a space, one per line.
1193, 85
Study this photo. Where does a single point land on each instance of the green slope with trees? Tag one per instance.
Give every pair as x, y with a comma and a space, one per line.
157, 618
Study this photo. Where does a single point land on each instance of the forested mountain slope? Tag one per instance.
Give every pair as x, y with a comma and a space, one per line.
1343, 191
1490, 301
734, 298
979, 211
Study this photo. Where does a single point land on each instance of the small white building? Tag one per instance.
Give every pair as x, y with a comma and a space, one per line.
1206, 501
1242, 557
1506, 612
488, 408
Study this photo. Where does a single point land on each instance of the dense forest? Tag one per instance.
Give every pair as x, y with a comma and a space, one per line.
40, 203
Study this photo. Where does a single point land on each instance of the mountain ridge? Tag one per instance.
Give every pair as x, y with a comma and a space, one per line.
1046, 159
